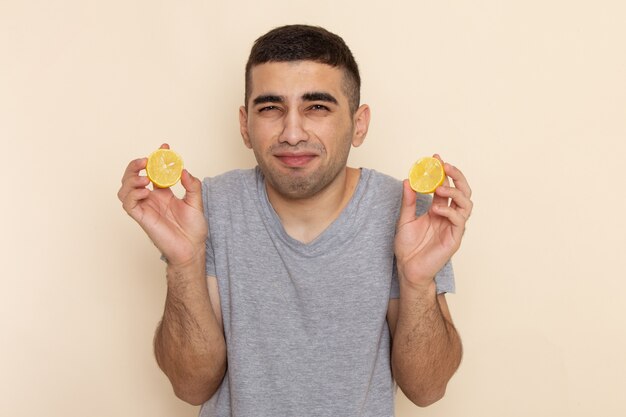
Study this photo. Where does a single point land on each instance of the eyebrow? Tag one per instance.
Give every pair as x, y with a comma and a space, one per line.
268, 98
312, 96
319, 96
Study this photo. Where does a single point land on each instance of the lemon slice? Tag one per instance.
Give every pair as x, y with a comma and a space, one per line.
426, 175
164, 168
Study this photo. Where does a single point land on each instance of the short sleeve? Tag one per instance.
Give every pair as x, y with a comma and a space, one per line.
210, 254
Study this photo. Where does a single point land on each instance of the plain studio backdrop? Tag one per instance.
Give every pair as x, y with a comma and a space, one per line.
528, 98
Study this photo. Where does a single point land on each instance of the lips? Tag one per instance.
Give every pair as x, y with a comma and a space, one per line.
295, 160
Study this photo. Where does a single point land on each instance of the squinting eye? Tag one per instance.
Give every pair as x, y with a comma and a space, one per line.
267, 108
319, 107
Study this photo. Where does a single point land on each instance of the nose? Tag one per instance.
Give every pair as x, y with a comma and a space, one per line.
293, 129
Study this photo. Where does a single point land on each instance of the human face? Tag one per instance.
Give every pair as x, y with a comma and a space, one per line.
299, 125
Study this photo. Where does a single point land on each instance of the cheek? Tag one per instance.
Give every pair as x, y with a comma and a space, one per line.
327, 128
336, 135
261, 131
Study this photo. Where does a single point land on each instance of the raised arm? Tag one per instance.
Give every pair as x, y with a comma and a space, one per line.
426, 349
189, 342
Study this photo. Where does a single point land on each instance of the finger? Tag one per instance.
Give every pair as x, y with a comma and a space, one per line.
456, 219
407, 207
134, 167
193, 189
132, 200
459, 200
139, 181
132, 183
439, 200
165, 146
459, 179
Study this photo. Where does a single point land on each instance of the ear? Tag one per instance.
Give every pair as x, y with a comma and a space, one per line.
243, 126
361, 125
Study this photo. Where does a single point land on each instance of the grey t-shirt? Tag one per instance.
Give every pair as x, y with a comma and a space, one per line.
305, 324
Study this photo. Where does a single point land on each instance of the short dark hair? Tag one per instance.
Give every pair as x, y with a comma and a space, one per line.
306, 43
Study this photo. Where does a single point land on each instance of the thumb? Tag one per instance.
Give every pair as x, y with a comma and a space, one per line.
193, 189
407, 207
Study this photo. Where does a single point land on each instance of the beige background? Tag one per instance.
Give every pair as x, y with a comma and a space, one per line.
527, 97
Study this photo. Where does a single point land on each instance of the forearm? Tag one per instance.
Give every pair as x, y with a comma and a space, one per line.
426, 348
189, 342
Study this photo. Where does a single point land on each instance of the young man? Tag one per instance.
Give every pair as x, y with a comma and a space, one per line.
303, 287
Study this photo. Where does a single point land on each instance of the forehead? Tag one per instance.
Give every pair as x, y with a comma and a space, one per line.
295, 78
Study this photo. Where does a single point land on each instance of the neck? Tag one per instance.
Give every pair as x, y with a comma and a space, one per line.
305, 219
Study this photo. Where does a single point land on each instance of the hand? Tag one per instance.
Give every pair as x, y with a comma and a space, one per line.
177, 227
424, 244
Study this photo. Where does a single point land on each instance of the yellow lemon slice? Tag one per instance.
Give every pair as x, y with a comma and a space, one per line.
164, 168
426, 175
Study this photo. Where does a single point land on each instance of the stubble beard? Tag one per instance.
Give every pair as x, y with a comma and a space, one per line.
297, 185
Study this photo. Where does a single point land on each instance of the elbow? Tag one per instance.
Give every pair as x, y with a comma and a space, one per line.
193, 397
196, 386
426, 397
196, 391
194, 379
